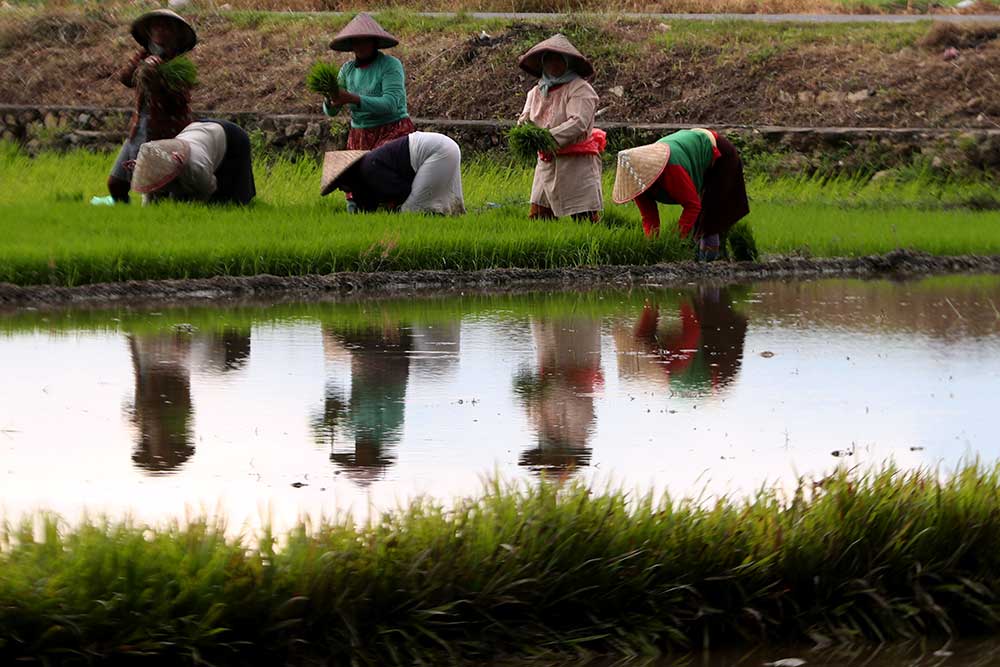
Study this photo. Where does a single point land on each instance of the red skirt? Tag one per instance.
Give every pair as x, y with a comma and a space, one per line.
369, 138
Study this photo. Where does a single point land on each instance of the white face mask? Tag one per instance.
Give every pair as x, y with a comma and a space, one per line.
157, 50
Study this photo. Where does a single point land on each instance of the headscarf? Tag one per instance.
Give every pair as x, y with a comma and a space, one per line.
548, 82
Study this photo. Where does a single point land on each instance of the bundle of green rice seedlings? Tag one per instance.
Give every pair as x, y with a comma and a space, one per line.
527, 140
742, 244
322, 79
179, 73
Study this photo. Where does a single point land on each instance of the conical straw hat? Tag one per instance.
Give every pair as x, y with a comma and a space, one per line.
140, 29
335, 163
638, 169
363, 26
531, 61
159, 163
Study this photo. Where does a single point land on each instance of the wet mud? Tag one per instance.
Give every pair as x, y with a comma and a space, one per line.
899, 263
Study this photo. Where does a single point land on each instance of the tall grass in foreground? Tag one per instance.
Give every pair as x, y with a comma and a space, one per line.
521, 570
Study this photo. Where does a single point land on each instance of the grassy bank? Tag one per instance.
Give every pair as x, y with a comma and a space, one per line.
524, 571
695, 6
50, 235
648, 70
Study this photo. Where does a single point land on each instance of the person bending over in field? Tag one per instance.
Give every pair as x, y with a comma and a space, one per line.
699, 169
208, 161
567, 183
372, 86
420, 172
161, 110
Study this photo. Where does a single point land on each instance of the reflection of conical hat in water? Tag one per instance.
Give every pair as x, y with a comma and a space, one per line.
187, 36
159, 163
638, 169
544, 458
531, 61
363, 26
364, 465
221, 351
437, 346
335, 163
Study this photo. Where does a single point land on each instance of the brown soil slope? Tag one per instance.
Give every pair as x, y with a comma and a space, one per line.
648, 71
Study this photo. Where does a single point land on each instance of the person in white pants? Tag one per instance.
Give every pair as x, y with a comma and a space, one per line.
208, 161
419, 173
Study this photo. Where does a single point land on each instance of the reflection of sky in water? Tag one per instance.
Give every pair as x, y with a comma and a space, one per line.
665, 390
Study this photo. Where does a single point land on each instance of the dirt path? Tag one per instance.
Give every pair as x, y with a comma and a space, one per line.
899, 263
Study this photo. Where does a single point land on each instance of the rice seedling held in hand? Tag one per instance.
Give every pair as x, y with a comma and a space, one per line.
179, 73
527, 140
322, 79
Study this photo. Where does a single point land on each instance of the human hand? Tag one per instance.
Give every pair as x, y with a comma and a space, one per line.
344, 97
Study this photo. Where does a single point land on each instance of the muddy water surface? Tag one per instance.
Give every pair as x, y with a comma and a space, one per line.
277, 410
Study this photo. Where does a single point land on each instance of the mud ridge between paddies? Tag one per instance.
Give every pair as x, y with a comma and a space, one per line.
898, 263
648, 70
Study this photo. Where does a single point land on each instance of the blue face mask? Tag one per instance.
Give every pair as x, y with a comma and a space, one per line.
548, 82
157, 50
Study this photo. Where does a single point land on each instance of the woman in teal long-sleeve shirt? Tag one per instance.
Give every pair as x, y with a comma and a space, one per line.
373, 86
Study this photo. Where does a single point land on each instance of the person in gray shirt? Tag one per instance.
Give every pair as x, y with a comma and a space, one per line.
208, 161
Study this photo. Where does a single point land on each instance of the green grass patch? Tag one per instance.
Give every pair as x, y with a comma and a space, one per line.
361, 314
768, 39
49, 235
523, 570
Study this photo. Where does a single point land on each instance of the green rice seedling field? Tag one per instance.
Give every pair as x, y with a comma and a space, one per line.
51, 235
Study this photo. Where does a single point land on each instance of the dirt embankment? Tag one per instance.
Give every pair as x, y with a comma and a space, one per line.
648, 70
899, 263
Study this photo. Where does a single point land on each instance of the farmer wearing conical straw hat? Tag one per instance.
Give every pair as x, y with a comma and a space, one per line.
419, 173
699, 169
208, 161
567, 183
373, 86
161, 110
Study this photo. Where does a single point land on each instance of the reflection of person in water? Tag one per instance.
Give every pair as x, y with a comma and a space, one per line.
700, 356
559, 398
380, 366
222, 351
162, 410
436, 347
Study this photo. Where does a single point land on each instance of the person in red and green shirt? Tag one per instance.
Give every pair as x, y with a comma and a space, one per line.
160, 111
700, 170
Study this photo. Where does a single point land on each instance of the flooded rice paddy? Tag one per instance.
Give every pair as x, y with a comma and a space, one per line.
921, 653
278, 410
